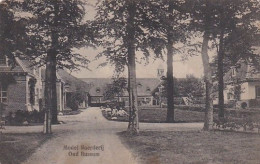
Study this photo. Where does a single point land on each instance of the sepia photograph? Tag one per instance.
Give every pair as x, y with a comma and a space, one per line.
129, 81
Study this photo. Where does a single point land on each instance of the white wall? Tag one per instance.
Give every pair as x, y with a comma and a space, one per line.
252, 89
230, 89
248, 90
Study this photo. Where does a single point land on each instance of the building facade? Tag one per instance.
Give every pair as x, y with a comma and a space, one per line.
22, 87
242, 85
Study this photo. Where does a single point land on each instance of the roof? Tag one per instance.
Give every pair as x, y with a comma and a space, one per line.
71, 82
244, 72
97, 86
145, 86
21, 66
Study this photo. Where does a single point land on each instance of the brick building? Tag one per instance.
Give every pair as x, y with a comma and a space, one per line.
22, 86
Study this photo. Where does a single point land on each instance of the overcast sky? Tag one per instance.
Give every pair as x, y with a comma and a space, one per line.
191, 66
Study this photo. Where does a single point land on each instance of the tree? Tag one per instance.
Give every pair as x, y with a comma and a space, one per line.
76, 97
190, 87
116, 89
124, 28
233, 17
54, 29
168, 28
216, 19
12, 33
203, 15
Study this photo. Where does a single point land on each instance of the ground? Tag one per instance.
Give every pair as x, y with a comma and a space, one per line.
156, 147
157, 143
15, 148
89, 128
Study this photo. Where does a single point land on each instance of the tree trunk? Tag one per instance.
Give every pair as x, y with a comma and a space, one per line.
130, 98
133, 126
208, 121
54, 53
54, 110
220, 77
170, 97
49, 92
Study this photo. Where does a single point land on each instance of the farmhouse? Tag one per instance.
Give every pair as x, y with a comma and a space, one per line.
145, 90
145, 86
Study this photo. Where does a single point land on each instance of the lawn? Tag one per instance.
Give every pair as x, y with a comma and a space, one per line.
16, 148
158, 147
158, 115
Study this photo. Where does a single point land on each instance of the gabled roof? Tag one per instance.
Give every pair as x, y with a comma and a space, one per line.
22, 66
145, 86
71, 82
97, 86
244, 72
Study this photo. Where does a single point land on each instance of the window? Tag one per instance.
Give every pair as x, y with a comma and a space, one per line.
257, 91
3, 94
97, 90
229, 96
139, 85
3, 61
233, 71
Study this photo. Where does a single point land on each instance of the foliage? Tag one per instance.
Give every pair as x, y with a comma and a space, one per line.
31, 84
56, 25
54, 29
76, 98
111, 20
236, 120
125, 28
186, 87
12, 32
116, 89
20, 116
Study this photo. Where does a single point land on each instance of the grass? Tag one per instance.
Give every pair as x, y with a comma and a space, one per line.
16, 148
200, 147
158, 115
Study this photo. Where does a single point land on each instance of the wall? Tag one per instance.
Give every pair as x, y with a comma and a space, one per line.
230, 89
252, 89
16, 95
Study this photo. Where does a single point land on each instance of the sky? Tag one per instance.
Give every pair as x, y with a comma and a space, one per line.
180, 68
193, 65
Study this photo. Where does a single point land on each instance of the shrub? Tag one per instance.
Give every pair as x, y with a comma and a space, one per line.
198, 108
237, 119
19, 117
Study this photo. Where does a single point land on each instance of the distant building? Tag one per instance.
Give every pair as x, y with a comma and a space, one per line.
145, 90
145, 86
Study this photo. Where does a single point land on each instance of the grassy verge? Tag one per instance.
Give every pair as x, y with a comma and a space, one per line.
193, 147
158, 115
16, 148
